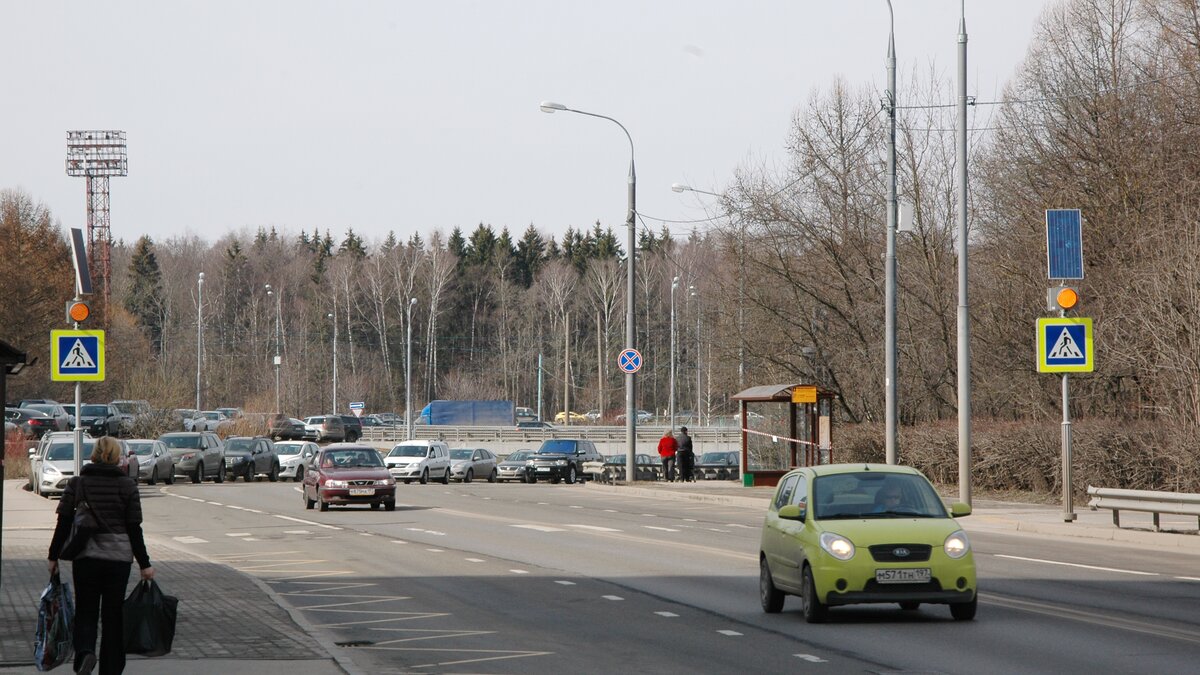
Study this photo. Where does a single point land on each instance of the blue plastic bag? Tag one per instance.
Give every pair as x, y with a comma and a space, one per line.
56, 617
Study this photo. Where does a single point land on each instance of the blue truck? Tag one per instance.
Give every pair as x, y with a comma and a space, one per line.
469, 413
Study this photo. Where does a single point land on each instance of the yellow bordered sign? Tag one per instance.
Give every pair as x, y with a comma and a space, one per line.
77, 355
1064, 345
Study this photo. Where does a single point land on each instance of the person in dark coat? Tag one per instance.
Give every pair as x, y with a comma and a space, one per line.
685, 459
666, 450
101, 571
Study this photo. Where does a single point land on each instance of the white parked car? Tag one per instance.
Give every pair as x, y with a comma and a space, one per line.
419, 460
294, 458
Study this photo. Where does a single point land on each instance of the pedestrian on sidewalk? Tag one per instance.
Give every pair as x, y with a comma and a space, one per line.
685, 459
101, 571
666, 450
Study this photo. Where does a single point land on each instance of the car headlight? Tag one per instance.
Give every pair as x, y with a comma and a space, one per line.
52, 470
189, 455
385, 481
561, 462
957, 545
837, 546
336, 483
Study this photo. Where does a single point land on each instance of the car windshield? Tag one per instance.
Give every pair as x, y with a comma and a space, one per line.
287, 448
518, 456
614, 459
141, 448
239, 444
462, 453
716, 458
191, 441
212, 415
875, 494
95, 411
350, 458
66, 450
407, 451
42, 407
557, 446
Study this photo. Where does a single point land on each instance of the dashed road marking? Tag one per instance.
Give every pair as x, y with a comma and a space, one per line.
612, 597
661, 529
190, 540
306, 522
717, 529
399, 541
297, 532
574, 507
435, 550
730, 633
237, 534
519, 571
811, 658
594, 528
366, 534
539, 528
215, 503
475, 560
565, 583
669, 615
1188, 578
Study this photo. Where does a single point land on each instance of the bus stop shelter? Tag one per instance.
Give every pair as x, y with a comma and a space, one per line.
784, 426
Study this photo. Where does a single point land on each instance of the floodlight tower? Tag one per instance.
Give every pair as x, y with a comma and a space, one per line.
96, 155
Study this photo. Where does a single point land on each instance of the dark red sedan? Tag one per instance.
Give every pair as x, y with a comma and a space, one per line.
348, 473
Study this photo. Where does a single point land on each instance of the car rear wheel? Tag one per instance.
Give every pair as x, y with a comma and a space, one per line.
389, 505
153, 477
220, 473
446, 477
170, 479
964, 611
198, 475
469, 476
492, 476
324, 504
771, 597
814, 609
424, 476
274, 475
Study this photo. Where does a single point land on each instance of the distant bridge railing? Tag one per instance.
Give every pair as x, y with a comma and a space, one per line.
704, 439
1149, 501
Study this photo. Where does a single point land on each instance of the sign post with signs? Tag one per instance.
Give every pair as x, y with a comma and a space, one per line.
1064, 345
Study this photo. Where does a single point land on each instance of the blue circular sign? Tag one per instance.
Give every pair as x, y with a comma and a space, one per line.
630, 360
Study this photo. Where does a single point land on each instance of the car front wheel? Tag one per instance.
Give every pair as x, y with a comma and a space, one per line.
469, 476
814, 609
424, 477
492, 476
198, 475
571, 476
446, 477
964, 611
153, 477
274, 475
220, 473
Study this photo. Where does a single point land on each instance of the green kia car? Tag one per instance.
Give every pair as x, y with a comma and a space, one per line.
844, 534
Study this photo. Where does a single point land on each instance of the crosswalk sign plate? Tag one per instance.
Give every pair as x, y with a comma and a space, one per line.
1064, 345
77, 355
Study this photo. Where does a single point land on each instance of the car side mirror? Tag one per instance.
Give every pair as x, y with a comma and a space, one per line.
32, 451
960, 509
793, 512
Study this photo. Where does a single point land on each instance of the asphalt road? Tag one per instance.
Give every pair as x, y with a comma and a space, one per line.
511, 578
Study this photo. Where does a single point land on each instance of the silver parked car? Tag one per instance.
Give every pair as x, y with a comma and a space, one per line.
513, 466
198, 455
155, 461
294, 458
466, 464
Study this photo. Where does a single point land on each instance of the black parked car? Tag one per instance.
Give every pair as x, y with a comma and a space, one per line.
561, 459
100, 419
717, 466
249, 457
353, 427
284, 428
32, 423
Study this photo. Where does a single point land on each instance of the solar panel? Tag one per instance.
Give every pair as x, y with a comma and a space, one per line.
1064, 244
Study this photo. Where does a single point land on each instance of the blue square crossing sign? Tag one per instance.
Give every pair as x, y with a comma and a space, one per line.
77, 355
1064, 345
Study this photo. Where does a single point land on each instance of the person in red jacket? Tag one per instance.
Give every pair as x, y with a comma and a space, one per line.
667, 445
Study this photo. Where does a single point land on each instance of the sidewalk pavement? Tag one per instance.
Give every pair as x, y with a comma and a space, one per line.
1178, 532
228, 622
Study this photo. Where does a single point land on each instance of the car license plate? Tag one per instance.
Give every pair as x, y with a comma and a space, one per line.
919, 575
366, 492
545, 469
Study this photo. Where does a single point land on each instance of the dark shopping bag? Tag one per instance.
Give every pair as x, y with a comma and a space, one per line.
56, 616
149, 620
83, 527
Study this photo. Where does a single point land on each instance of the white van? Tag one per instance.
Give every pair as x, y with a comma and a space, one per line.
419, 460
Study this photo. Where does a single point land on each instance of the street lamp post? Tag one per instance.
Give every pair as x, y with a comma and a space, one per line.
630, 333
699, 392
408, 431
674, 285
278, 334
335, 341
199, 334
890, 408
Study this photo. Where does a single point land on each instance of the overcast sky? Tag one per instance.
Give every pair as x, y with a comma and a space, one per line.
413, 116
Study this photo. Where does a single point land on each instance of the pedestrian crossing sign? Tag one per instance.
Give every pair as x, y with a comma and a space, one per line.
1064, 345
77, 355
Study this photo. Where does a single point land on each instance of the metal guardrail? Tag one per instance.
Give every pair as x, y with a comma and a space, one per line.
1151, 501
607, 434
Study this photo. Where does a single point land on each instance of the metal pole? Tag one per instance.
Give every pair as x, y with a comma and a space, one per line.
539, 387
699, 383
335, 341
890, 261
278, 347
408, 430
964, 315
199, 335
674, 285
630, 332
741, 307
1068, 508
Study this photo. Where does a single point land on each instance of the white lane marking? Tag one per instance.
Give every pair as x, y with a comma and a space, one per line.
575, 507
250, 539
612, 597
307, 522
543, 503
296, 532
475, 560
399, 541
669, 615
737, 525
433, 532
649, 515
253, 510
690, 520
435, 550
565, 583
190, 540
663, 529
215, 503
366, 534
1188, 578
610, 510
237, 534
717, 529
519, 571
810, 658
539, 528
730, 633
1086, 567
232, 506
594, 528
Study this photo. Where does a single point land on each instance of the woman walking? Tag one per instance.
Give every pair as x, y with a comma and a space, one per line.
101, 571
